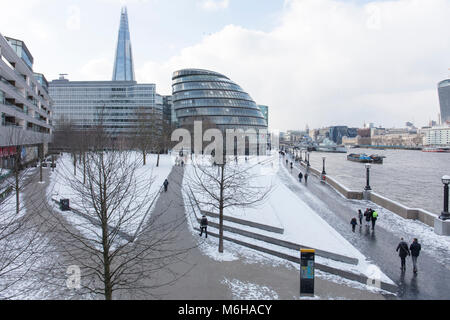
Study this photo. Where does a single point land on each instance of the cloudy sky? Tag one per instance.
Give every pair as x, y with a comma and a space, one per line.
315, 62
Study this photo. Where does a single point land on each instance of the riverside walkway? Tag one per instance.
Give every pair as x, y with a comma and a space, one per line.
209, 279
433, 279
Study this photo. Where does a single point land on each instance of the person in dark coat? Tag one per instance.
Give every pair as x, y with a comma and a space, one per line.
368, 216
166, 184
360, 216
204, 226
374, 217
403, 252
300, 177
415, 248
306, 178
354, 222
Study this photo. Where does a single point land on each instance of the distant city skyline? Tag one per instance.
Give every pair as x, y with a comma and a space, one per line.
361, 65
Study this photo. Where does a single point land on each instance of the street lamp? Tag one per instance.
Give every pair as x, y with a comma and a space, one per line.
445, 215
367, 188
323, 169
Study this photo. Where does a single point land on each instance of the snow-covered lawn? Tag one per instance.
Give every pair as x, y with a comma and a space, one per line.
149, 175
301, 224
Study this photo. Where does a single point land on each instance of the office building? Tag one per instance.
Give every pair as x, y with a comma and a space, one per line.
25, 106
116, 105
444, 100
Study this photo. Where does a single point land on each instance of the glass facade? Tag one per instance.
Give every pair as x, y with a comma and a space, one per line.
22, 51
207, 95
444, 99
123, 63
115, 103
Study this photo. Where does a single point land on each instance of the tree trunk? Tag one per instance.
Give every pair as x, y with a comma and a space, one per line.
74, 164
16, 173
157, 161
144, 155
221, 211
40, 172
84, 168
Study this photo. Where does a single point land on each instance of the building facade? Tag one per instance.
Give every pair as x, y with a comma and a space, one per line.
123, 62
117, 105
207, 95
113, 104
25, 106
265, 112
437, 136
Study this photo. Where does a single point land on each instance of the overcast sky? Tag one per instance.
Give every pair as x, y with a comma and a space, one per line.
315, 62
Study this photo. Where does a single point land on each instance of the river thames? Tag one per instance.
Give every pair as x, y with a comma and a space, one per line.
412, 178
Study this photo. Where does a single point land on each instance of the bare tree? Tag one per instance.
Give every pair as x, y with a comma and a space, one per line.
21, 239
226, 185
118, 241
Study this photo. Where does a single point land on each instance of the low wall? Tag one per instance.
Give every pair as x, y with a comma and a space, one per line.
403, 211
408, 213
245, 222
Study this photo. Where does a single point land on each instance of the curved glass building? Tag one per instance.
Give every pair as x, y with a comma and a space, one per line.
207, 95
444, 100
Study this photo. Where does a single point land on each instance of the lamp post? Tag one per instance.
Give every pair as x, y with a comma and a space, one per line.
445, 215
367, 188
323, 168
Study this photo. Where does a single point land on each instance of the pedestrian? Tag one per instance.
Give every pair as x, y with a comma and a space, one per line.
204, 226
306, 178
360, 216
403, 252
354, 222
368, 216
166, 184
300, 177
182, 163
292, 166
415, 248
374, 218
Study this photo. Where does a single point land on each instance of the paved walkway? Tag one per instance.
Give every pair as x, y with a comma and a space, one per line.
204, 281
433, 279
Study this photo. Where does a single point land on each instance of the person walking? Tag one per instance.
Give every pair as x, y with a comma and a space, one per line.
403, 252
354, 222
166, 184
368, 216
204, 226
306, 178
300, 177
360, 216
415, 248
374, 218
292, 165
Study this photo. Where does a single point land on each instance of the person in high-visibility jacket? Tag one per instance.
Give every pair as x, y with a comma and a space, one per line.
374, 218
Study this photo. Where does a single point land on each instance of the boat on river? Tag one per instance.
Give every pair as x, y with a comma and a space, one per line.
329, 146
436, 149
364, 158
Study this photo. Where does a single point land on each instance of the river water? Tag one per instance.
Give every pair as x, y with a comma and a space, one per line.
412, 178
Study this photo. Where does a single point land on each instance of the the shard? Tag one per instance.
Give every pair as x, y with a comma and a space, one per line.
123, 63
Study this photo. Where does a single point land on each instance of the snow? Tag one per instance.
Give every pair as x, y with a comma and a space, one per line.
300, 223
249, 291
150, 176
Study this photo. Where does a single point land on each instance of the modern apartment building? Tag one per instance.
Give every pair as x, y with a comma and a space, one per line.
437, 136
25, 106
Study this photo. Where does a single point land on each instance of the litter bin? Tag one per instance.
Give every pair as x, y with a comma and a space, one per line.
64, 205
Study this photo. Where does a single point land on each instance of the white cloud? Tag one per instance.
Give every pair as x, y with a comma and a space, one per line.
214, 5
331, 62
97, 69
